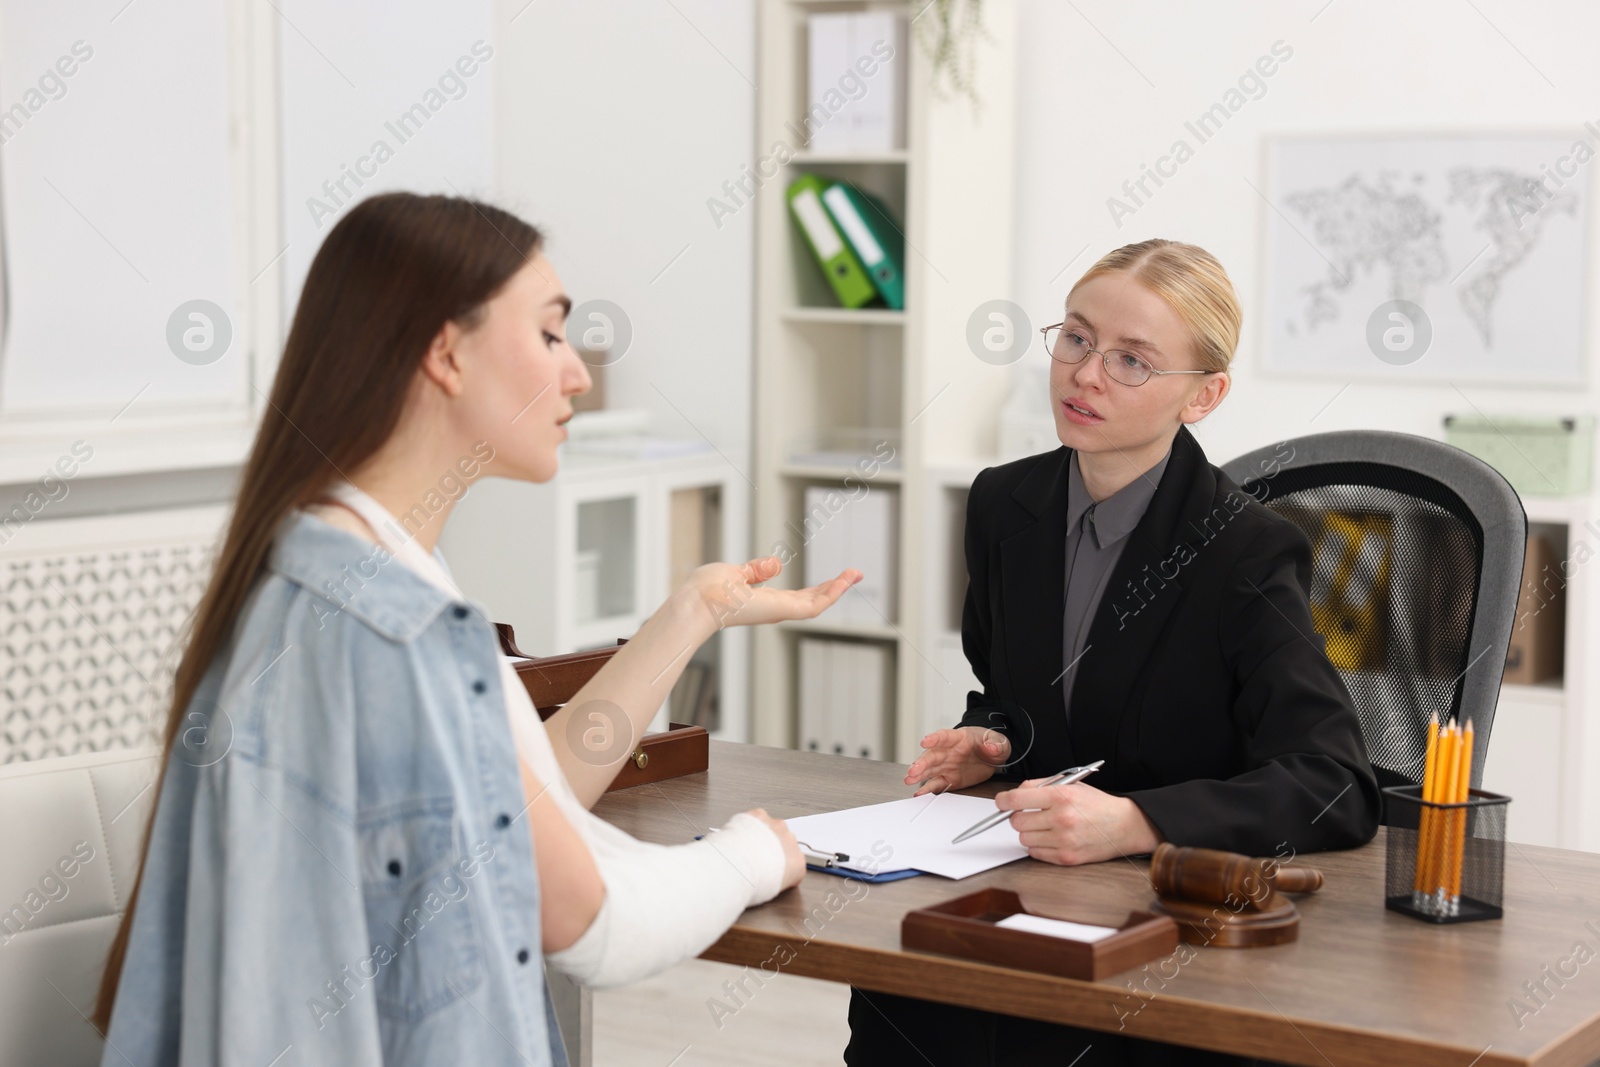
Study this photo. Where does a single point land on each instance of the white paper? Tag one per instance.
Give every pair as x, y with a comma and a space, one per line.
1038, 924
913, 833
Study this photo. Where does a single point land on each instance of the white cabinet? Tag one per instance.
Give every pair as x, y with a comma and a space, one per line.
599, 591
1524, 762
585, 558
1545, 743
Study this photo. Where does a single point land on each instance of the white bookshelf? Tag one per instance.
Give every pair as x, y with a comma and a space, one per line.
821, 368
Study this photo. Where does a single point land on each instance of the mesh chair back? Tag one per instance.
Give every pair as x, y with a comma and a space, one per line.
1416, 562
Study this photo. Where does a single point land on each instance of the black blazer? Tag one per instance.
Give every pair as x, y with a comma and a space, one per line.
1203, 686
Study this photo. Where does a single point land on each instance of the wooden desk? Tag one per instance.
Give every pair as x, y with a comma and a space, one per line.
1363, 985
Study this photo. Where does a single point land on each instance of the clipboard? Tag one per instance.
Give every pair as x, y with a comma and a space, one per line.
835, 863
863, 876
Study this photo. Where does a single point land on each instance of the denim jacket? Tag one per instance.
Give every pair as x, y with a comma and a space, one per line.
340, 870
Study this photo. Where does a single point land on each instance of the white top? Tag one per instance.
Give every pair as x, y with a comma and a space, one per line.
663, 904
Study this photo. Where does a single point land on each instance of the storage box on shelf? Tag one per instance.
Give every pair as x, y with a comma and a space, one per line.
1539, 455
902, 384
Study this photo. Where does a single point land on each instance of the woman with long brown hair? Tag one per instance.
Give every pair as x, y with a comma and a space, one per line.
362, 844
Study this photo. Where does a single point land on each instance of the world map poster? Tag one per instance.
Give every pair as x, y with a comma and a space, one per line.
1433, 257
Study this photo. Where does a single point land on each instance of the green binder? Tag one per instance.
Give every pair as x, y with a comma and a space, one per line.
839, 265
873, 236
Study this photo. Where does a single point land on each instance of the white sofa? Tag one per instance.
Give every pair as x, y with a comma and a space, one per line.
70, 830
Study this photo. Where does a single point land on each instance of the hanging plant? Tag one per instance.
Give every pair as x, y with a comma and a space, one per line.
949, 32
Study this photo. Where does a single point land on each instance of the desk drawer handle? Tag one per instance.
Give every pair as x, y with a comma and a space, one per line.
641, 758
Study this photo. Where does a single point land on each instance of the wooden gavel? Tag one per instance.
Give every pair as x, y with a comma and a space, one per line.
1213, 876
1189, 882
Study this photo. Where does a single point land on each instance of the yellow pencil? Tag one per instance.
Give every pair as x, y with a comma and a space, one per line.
1429, 861
1441, 781
1450, 768
1419, 884
1458, 836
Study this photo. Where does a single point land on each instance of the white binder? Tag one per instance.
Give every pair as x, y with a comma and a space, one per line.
878, 119
827, 59
841, 48
815, 678
862, 533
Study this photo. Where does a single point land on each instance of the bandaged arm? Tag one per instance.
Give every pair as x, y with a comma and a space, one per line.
663, 903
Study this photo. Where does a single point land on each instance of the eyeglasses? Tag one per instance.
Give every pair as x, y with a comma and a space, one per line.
1068, 346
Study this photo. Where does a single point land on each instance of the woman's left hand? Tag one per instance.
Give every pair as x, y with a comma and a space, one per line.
734, 595
1076, 823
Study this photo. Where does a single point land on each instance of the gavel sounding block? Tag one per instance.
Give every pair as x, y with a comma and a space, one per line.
1228, 900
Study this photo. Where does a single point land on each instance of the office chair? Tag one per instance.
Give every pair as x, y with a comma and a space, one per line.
1416, 563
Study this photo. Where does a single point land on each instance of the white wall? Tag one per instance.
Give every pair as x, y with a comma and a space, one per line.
615, 122
1089, 119
127, 142
608, 125
348, 73
93, 273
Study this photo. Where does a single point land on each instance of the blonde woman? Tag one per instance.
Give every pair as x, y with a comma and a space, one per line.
1126, 601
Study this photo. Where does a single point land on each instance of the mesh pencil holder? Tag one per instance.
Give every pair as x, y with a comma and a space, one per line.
1445, 863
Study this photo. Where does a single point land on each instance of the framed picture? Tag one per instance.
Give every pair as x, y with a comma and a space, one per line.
1443, 258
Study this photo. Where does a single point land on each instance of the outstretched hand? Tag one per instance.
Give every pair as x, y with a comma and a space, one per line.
955, 759
734, 594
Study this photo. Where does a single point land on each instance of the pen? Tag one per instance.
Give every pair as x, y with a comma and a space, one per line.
1066, 777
